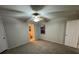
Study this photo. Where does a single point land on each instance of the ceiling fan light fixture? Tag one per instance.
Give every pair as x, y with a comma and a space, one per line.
36, 17
36, 20
35, 14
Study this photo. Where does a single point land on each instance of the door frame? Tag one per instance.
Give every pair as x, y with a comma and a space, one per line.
33, 32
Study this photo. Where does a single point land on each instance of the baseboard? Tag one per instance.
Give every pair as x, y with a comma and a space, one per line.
17, 45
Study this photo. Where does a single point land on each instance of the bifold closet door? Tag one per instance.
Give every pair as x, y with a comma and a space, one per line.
3, 42
72, 33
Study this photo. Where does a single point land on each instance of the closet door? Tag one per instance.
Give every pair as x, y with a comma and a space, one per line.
71, 37
3, 42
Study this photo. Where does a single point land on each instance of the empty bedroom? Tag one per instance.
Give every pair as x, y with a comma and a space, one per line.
39, 29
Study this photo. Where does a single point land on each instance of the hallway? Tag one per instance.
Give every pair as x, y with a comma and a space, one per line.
42, 47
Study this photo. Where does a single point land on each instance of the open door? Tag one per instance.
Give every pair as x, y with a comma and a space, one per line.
31, 32
3, 42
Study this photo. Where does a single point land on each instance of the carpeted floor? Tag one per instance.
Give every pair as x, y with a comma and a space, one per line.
42, 47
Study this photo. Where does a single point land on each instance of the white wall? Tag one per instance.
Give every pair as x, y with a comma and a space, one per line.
37, 30
16, 31
55, 31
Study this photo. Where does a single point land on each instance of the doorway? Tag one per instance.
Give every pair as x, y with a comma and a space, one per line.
31, 32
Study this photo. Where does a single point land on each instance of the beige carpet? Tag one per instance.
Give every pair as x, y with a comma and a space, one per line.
42, 47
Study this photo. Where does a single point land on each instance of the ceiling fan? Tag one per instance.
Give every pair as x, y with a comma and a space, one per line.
32, 13
36, 15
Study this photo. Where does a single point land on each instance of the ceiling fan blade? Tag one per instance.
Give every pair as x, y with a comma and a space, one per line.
23, 19
10, 10
46, 19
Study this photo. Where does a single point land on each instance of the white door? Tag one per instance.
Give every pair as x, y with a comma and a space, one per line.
72, 33
3, 42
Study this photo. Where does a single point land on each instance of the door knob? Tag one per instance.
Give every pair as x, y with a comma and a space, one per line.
3, 37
